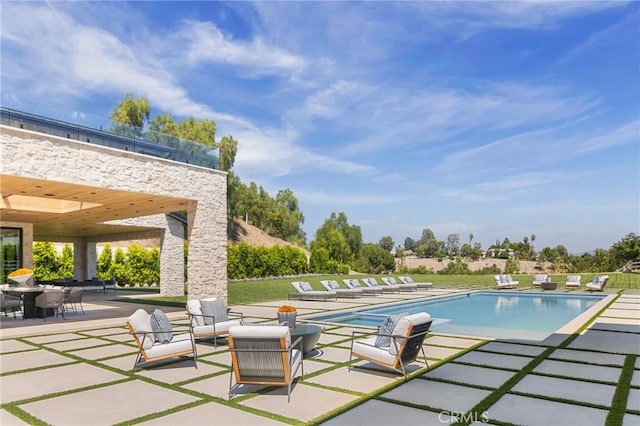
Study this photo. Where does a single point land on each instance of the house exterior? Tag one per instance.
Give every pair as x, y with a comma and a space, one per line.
57, 188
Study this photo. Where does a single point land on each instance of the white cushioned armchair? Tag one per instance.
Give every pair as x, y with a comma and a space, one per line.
397, 348
210, 318
156, 340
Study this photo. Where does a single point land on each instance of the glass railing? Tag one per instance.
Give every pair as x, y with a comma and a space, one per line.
70, 124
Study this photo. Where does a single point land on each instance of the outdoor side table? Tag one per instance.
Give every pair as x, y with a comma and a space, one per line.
549, 286
310, 335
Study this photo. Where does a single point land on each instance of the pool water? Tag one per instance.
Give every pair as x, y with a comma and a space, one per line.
486, 314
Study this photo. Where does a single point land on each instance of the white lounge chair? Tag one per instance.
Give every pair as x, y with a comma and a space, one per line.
210, 318
598, 283
332, 285
371, 282
156, 340
573, 281
505, 281
264, 355
422, 285
539, 279
395, 349
304, 291
390, 281
368, 291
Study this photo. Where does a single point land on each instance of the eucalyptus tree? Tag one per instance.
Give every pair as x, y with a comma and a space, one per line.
386, 243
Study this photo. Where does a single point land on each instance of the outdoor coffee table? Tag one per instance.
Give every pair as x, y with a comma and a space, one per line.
310, 335
549, 286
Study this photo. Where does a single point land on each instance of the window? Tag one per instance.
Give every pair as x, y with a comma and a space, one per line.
11, 250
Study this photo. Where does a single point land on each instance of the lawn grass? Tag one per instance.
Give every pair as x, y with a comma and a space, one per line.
255, 291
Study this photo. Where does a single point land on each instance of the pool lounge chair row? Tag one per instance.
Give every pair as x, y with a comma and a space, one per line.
332, 291
575, 281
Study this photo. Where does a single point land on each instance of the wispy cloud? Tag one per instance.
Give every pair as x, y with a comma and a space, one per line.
206, 43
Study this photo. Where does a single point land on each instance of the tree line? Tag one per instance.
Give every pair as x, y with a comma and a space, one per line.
338, 246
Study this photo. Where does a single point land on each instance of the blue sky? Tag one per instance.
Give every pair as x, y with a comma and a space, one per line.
499, 119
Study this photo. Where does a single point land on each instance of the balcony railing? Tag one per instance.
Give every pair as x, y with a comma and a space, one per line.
92, 129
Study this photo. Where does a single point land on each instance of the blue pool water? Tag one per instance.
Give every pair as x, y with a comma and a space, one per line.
486, 314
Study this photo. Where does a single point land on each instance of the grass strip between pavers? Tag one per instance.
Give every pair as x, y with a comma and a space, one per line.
619, 400
482, 407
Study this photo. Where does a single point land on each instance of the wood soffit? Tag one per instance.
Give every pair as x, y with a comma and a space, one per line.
66, 209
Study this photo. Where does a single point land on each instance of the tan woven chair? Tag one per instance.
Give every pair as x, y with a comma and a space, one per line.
264, 355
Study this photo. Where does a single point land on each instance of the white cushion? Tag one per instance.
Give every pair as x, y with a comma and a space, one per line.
402, 328
193, 307
179, 343
368, 349
220, 328
140, 322
264, 331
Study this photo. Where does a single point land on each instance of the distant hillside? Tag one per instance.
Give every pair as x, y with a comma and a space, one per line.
243, 232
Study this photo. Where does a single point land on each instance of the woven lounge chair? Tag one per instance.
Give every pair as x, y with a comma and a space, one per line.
421, 285
264, 355
156, 340
573, 281
332, 285
390, 281
539, 279
366, 290
371, 282
304, 291
598, 283
210, 318
395, 349
505, 281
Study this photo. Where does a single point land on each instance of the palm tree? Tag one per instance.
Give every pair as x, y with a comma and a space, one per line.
533, 238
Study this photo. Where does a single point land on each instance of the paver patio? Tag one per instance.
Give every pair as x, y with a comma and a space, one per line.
60, 373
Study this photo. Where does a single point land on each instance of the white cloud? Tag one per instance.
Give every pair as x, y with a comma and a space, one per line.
206, 43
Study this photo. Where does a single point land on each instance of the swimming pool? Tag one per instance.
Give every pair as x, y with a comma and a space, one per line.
488, 314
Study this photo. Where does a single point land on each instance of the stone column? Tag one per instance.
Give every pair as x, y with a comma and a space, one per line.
172, 259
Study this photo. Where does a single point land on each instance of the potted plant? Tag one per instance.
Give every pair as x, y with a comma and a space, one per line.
21, 276
287, 314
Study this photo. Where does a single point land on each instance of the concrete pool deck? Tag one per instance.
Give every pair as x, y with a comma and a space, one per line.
78, 372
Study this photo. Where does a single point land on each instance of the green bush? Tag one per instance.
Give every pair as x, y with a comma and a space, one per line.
375, 260
320, 263
457, 267
246, 261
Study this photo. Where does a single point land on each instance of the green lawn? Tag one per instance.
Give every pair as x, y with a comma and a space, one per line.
244, 292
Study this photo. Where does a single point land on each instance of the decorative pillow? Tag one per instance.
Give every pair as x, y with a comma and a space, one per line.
161, 326
193, 306
305, 286
334, 285
213, 308
504, 279
387, 327
269, 324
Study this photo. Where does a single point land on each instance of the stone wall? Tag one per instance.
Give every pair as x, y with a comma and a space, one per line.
35, 155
